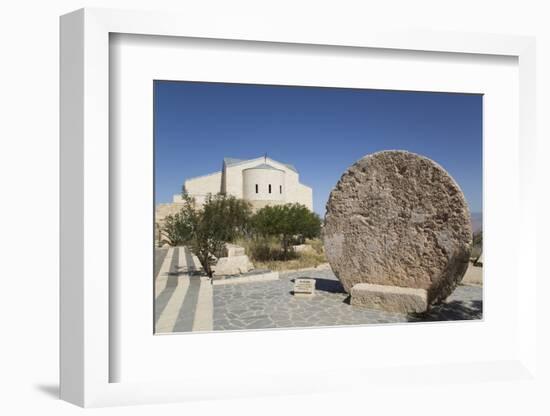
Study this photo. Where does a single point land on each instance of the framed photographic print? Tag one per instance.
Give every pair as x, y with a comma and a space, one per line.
239, 206
240, 247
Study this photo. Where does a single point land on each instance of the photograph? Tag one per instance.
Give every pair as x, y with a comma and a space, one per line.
275, 208
280, 206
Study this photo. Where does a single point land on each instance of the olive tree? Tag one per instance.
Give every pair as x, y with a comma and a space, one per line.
206, 229
286, 222
176, 228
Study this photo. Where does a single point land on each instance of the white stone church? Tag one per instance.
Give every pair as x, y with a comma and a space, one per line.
261, 181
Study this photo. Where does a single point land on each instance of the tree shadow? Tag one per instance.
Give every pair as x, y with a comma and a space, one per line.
329, 285
455, 310
324, 285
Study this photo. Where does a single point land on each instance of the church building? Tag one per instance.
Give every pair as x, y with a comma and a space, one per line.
261, 181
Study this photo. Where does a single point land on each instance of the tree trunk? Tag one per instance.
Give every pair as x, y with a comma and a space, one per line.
285, 247
208, 268
206, 264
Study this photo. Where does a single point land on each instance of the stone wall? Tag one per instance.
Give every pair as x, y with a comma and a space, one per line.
257, 205
293, 190
202, 185
263, 179
162, 210
303, 195
231, 181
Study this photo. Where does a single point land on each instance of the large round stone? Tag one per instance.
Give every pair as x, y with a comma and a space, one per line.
397, 218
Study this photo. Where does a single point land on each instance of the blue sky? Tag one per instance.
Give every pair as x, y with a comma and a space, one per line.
321, 131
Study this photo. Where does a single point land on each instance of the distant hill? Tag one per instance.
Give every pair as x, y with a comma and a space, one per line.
477, 221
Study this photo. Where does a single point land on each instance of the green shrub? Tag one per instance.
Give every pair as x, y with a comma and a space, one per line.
267, 249
288, 223
205, 230
176, 229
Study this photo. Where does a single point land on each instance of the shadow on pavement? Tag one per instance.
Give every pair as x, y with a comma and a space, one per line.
451, 311
325, 285
329, 285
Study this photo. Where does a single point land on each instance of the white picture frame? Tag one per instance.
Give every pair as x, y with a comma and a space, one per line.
86, 331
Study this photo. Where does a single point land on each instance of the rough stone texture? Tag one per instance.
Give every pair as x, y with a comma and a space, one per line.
396, 218
389, 298
232, 250
233, 265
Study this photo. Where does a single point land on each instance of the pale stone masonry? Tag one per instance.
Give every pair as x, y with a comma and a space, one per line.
261, 181
389, 298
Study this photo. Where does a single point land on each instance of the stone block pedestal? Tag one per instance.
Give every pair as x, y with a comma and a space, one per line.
232, 265
389, 298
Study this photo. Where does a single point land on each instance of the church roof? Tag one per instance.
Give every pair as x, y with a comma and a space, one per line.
230, 161
264, 166
291, 167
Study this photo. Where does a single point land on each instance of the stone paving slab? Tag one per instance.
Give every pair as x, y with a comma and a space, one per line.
187, 302
271, 305
247, 278
183, 299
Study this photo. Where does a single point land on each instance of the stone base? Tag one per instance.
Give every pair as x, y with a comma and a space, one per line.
389, 298
233, 250
232, 265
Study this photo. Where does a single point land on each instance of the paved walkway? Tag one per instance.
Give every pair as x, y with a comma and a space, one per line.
271, 305
185, 301
183, 298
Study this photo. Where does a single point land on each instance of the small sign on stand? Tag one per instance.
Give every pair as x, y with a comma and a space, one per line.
304, 287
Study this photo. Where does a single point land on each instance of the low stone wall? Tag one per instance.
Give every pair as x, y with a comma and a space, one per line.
163, 210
